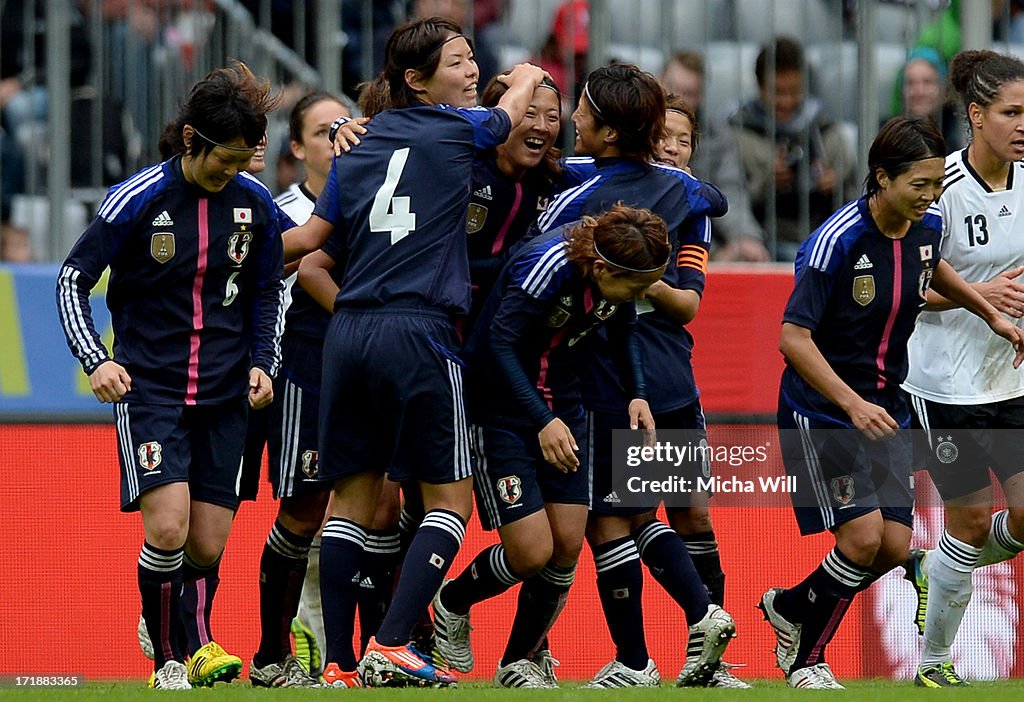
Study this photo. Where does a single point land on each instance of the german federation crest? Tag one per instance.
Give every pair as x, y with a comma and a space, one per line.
161, 247
238, 246
510, 489
150, 455
864, 289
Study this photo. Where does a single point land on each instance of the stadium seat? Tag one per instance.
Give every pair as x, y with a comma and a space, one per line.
806, 20
730, 76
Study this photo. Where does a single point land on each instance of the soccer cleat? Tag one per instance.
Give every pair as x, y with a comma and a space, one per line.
521, 673
286, 673
815, 677
705, 646
211, 664
172, 676
547, 664
915, 575
941, 675
451, 635
336, 677
723, 677
787, 634
145, 643
306, 650
615, 674
398, 666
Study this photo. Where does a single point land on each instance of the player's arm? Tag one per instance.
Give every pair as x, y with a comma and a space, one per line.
1004, 292
682, 301
950, 285
266, 317
306, 238
797, 345
516, 314
622, 333
78, 275
522, 80
316, 279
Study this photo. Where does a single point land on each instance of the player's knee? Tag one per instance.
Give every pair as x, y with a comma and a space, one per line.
862, 546
971, 525
690, 521
527, 559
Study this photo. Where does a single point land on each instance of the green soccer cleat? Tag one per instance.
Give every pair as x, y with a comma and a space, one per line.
306, 650
915, 575
212, 664
941, 675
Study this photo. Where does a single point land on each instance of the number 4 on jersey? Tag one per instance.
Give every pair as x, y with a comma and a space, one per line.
391, 213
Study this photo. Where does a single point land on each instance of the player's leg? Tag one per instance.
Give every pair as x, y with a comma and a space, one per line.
620, 588
380, 562
154, 454
542, 596
510, 501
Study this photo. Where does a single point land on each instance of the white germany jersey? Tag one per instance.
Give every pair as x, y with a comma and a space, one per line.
297, 203
954, 357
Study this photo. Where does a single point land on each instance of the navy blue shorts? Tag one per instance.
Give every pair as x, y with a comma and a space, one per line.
513, 480
199, 444
600, 426
392, 398
252, 457
293, 438
842, 475
961, 443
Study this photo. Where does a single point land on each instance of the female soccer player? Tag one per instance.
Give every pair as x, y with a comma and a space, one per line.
681, 135
861, 280
292, 422
392, 385
195, 253
962, 388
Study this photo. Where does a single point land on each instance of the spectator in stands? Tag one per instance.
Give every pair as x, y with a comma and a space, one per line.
564, 52
15, 244
920, 91
738, 235
790, 149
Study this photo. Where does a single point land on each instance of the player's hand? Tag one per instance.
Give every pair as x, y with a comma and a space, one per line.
640, 417
558, 446
348, 135
1005, 292
530, 71
110, 382
873, 421
1012, 333
261, 390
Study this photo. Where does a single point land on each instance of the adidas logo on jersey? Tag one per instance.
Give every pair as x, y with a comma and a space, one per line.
366, 583
163, 220
483, 193
612, 498
863, 263
1004, 211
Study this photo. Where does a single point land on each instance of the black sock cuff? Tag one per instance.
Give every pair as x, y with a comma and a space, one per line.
288, 544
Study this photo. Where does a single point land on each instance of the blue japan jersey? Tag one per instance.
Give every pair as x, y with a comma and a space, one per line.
501, 211
195, 286
685, 203
401, 198
859, 292
522, 354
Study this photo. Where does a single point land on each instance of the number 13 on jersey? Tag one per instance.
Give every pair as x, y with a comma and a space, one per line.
391, 213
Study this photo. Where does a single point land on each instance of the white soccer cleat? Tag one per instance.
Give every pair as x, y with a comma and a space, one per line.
547, 664
521, 673
145, 643
815, 677
787, 634
615, 674
172, 676
705, 646
723, 677
451, 635
286, 673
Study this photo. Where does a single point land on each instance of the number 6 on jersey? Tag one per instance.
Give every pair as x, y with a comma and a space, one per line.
391, 213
